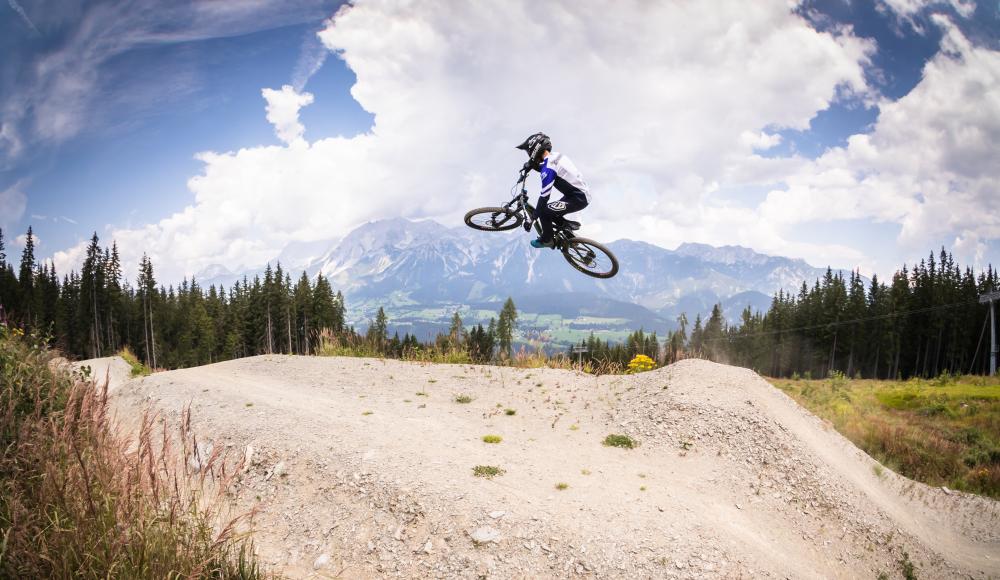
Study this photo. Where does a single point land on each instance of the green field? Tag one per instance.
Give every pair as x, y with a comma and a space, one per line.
943, 431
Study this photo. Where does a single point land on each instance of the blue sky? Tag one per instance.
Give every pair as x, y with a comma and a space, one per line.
107, 109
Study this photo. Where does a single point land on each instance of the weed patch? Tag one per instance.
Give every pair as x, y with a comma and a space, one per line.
488, 471
623, 441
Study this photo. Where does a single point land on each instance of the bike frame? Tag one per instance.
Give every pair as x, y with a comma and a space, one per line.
520, 204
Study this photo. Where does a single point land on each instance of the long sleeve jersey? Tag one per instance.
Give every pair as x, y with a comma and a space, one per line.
558, 171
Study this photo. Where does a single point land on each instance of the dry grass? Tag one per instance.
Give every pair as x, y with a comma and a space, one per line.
944, 431
80, 499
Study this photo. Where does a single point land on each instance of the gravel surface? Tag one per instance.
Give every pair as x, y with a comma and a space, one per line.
364, 468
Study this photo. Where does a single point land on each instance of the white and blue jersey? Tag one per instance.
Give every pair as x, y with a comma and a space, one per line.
559, 172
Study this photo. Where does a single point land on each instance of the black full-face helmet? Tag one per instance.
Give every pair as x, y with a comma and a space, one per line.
535, 146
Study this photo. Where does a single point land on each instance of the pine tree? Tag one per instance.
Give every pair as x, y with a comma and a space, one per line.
378, 331
456, 334
26, 280
505, 327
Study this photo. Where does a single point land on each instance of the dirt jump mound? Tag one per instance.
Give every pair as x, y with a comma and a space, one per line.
370, 468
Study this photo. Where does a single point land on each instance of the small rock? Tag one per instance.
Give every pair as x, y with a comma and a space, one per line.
429, 547
739, 507
946, 490
497, 514
321, 562
484, 535
278, 469
247, 458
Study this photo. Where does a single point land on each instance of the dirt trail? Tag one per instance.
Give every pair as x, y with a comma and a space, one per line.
364, 468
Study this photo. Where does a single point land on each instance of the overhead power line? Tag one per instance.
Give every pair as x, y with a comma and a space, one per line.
845, 322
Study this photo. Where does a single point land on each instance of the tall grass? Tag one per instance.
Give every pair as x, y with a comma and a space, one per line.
943, 431
80, 499
357, 346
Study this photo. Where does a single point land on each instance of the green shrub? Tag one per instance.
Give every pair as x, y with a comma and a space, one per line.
488, 471
623, 441
138, 369
492, 439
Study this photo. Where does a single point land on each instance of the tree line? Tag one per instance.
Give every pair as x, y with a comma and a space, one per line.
97, 312
925, 321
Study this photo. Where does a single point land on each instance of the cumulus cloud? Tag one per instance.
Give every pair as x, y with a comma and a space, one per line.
929, 165
283, 112
69, 259
453, 86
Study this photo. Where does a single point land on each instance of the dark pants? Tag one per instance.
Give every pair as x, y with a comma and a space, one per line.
554, 211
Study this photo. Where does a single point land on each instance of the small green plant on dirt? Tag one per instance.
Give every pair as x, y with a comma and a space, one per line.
463, 398
138, 369
249, 404
509, 412
574, 427
422, 394
407, 401
642, 488
561, 486
488, 471
907, 567
366, 413
623, 441
879, 471
585, 471
492, 438
431, 380
640, 364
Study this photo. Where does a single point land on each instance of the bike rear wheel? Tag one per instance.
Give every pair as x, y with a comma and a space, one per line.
590, 257
492, 219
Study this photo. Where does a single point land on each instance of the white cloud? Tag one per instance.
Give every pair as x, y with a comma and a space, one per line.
283, 112
453, 86
930, 163
908, 8
70, 258
13, 202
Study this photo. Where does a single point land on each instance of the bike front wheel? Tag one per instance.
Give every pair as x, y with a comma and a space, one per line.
493, 219
590, 257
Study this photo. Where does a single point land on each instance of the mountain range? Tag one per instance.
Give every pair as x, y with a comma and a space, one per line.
421, 272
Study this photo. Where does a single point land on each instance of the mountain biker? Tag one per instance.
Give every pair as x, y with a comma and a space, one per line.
557, 172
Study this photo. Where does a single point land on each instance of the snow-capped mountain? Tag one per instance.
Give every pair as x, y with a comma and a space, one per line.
428, 268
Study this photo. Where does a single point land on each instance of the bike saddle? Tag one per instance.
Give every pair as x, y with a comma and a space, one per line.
571, 224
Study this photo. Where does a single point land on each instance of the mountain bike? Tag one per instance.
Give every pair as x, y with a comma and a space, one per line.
587, 256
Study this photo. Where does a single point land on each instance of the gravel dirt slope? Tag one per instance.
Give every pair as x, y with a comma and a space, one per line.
364, 468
